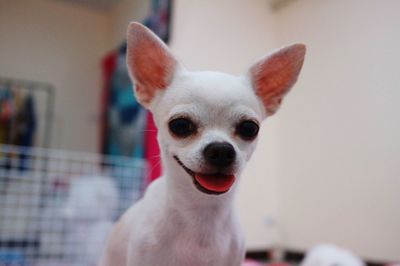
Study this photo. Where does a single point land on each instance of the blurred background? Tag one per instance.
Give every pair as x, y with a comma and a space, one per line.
327, 167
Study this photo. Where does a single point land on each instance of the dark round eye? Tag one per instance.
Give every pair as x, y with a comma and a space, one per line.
247, 130
182, 127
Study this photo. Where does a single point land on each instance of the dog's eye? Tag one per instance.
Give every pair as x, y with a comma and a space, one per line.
247, 130
182, 127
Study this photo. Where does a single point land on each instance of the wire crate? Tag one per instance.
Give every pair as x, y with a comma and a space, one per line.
57, 207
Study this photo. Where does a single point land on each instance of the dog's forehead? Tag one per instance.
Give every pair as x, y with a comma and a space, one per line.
211, 89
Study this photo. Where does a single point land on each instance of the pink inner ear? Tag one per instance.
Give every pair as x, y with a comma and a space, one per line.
274, 76
150, 62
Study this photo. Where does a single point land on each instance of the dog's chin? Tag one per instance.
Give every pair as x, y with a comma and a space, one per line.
212, 184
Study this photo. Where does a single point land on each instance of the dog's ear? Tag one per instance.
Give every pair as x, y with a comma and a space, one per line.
150, 63
274, 75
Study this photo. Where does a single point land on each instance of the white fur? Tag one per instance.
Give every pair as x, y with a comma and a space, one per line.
174, 223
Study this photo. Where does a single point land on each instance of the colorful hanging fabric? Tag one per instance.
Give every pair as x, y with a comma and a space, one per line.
127, 128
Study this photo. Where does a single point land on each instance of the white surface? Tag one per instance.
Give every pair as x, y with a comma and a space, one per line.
328, 255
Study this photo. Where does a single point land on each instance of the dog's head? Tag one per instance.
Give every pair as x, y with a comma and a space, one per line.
208, 121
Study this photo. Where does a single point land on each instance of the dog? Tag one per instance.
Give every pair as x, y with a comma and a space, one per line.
207, 124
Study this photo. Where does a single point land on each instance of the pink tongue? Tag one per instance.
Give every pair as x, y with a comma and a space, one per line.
216, 183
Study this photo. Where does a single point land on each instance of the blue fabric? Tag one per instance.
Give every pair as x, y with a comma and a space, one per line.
125, 115
12, 257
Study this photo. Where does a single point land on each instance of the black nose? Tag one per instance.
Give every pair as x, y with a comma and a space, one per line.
219, 154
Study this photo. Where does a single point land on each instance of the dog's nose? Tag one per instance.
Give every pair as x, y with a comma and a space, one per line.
219, 154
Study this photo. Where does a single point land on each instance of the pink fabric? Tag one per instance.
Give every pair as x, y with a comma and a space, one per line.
108, 63
152, 150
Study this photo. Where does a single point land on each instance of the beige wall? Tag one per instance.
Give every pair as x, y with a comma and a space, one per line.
123, 13
338, 137
62, 44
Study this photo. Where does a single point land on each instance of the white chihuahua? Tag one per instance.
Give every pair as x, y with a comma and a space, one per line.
207, 130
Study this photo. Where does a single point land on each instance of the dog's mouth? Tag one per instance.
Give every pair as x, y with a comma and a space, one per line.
214, 184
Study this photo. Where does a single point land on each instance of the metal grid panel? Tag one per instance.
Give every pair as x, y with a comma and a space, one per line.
56, 207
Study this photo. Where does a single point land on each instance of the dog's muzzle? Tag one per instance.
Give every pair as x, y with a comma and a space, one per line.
214, 184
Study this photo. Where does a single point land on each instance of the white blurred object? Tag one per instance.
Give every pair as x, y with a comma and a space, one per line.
58, 208
88, 213
251, 263
330, 255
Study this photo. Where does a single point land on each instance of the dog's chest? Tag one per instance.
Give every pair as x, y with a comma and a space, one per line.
200, 246
202, 243
185, 249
